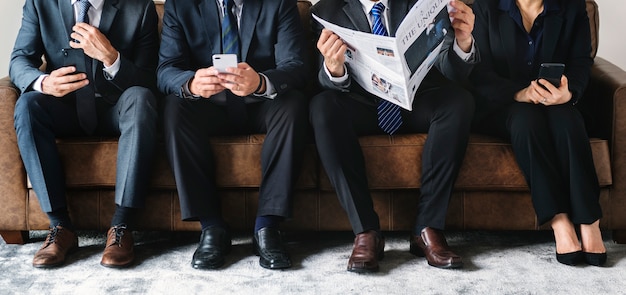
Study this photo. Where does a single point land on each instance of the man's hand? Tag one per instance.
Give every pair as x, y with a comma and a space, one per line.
242, 80
94, 43
333, 50
463, 24
550, 95
205, 83
62, 81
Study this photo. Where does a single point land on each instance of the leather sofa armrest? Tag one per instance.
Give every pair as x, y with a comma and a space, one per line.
13, 192
607, 93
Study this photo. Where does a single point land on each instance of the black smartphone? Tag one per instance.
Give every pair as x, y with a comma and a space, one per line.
74, 57
551, 72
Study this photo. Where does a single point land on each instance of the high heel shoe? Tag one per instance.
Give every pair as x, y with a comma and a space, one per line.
595, 259
571, 258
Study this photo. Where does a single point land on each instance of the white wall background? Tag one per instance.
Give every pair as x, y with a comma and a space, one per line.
612, 37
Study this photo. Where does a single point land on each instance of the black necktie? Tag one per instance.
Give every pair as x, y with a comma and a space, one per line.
85, 97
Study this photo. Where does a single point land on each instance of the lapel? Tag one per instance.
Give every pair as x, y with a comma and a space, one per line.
551, 28
210, 17
397, 11
354, 12
67, 15
249, 17
506, 28
109, 11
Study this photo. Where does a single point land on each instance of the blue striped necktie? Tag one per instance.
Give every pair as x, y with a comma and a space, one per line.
230, 36
389, 117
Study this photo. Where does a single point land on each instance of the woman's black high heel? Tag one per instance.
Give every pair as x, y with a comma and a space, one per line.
595, 259
571, 258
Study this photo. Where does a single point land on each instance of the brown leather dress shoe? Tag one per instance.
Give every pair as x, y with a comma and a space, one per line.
432, 244
369, 248
59, 242
118, 252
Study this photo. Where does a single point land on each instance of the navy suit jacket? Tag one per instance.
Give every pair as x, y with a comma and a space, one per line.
130, 26
350, 14
271, 34
566, 39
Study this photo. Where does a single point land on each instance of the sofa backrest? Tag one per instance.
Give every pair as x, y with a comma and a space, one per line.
304, 7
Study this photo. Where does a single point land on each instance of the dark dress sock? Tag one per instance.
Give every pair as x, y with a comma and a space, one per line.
124, 215
417, 230
60, 217
271, 221
207, 222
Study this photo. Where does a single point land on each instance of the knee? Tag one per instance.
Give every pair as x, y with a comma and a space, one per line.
323, 109
25, 106
140, 105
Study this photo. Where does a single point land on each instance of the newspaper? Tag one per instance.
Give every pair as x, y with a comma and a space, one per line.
392, 68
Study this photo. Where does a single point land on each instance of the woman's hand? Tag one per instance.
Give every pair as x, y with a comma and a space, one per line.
543, 92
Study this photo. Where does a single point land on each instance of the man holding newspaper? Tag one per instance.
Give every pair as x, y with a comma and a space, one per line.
352, 104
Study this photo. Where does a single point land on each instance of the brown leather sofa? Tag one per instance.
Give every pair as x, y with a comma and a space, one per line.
490, 194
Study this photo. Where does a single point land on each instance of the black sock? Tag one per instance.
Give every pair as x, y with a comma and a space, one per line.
124, 215
418, 229
210, 221
60, 217
271, 221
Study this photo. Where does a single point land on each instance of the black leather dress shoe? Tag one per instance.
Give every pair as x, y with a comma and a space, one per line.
214, 244
268, 244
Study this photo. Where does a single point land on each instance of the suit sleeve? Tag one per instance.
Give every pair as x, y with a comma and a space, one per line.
451, 65
289, 51
28, 50
488, 84
579, 61
139, 66
174, 53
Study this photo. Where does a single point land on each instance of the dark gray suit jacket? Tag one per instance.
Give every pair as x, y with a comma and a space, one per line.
272, 42
130, 26
350, 14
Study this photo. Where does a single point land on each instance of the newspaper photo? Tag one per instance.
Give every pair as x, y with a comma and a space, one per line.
392, 68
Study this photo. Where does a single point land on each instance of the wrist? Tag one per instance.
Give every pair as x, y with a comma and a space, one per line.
259, 89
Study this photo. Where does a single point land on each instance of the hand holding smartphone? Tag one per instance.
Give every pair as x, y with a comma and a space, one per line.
223, 61
551, 72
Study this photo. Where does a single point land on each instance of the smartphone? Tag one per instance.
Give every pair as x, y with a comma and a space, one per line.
551, 72
223, 61
74, 57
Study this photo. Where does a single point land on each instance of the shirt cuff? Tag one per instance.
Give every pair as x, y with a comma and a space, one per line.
465, 56
186, 93
270, 92
337, 80
110, 72
37, 85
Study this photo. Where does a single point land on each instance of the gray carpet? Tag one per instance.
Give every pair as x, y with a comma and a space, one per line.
495, 263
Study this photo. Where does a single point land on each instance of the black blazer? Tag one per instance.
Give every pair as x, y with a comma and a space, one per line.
272, 42
566, 39
130, 26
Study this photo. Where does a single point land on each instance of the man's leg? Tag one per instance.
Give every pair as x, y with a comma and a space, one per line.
444, 112
134, 118
187, 127
39, 119
337, 121
284, 120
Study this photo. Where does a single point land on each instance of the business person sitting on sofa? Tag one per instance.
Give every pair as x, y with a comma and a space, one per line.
260, 94
101, 60
540, 119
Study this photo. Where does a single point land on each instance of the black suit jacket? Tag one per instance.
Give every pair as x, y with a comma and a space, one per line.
566, 39
130, 26
350, 14
271, 34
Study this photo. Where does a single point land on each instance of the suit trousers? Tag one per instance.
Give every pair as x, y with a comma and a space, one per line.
339, 118
552, 149
40, 119
188, 126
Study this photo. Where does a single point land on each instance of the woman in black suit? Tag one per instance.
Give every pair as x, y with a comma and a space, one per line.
546, 130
